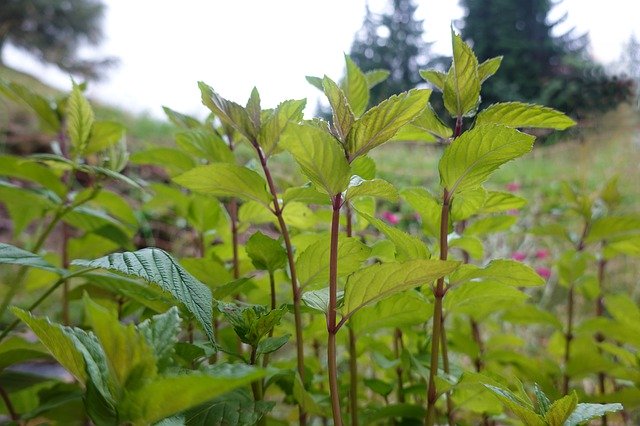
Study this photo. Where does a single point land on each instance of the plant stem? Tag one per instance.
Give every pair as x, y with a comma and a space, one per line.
233, 215
602, 264
397, 349
272, 284
295, 290
9, 406
570, 310
256, 386
445, 367
353, 354
331, 314
439, 292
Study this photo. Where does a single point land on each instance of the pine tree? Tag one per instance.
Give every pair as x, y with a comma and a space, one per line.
393, 41
522, 32
53, 31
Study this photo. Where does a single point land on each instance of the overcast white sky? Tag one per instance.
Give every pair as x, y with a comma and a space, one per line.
165, 46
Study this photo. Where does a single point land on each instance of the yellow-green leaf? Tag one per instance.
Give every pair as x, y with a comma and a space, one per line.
462, 84
518, 114
343, 117
79, 115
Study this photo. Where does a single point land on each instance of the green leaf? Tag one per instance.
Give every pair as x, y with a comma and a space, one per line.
320, 157
586, 412
166, 396
14, 350
482, 298
364, 167
235, 408
434, 77
58, 342
204, 213
204, 144
378, 386
426, 127
275, 124
99, 223
306, 194
343, 117
173, 160
251, 322
611, 227
471, 158
158, 267
161, 333
181, 120
226, 180
378, 188
130, 359
375, 77
518, 114
400, 310
253, 108
521, 409
497, 201
377, 282
229, 112
265, 252
490, 224
626, 246
11, 255
44, 109
561, 409
315, 82
427, 206
27, 169
319, 299
467, 204
472, 245
542, 400
305, 399
407, 246
79, 120
271, 344
488, 68
382, 122
104, 134
505, 271
462, 84
355, 87
312, 264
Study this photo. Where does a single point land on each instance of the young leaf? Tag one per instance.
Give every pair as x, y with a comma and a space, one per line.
79, 120
229, 112
561, 409
30, 170
427, 206
488, 68
271, 344
434, 77
166, 396
467, 204
471, 158
427, 126
542, 400
130, 359
319, 299
407, 246
521, 409
586, 412
226, 180
158, 267
356, 87
472, 245
518, 114
104, 134
315, 82
375, 77
379, 281
313, 263
378, 188
382, 122
462, 85
181, 120
253, 108
343, 117
276, 122
204, 144
56, 339
320, 157
161, 333
251, 322
12, 255
266, 253
400, 310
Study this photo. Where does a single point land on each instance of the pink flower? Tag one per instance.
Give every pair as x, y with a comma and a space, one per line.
392, 218
543, 272
519, 256
513, 186
542, 254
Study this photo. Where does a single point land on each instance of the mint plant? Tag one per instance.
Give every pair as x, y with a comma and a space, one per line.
276, 242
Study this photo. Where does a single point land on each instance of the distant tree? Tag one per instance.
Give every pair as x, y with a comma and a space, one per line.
54, 30
392, 40
629, 63
522, 32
